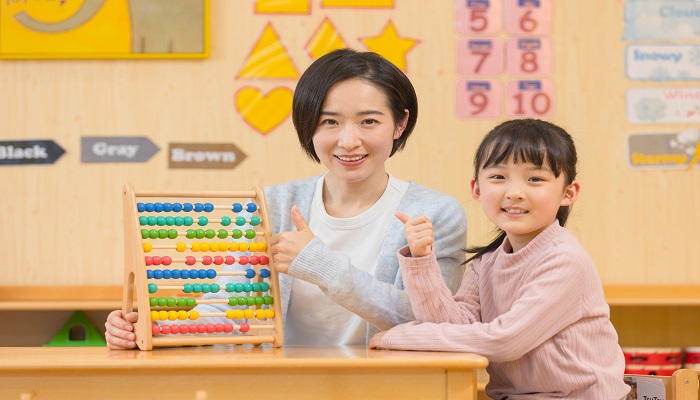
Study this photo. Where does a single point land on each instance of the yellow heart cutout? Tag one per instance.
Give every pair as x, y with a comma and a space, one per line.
264, 112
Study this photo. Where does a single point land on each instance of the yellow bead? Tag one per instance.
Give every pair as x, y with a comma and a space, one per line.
162, 315
223, 246
205, 246
269, 313
147, 247
237, 314
196, 246
214, 247
253, 247
181, 247
172, 315
182, 315
194, 315
233, 246
243, 246
229, 314
154, 316
262, 246
248, 314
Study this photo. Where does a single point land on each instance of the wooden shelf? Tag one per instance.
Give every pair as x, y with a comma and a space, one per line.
39, 298
652, 295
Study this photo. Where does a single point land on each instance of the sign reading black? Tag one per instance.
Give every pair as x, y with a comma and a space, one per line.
22, 152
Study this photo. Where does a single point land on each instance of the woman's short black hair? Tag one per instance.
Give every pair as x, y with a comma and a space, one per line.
341, 65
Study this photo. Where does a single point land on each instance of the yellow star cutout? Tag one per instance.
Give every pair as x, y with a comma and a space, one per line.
390, 45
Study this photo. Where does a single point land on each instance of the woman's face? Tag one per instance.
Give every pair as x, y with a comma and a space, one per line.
356, 131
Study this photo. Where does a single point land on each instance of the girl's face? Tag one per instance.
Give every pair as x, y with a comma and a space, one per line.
356, 131
522, 199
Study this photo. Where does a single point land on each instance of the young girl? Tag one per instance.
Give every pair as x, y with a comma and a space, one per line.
340, 283
532, 301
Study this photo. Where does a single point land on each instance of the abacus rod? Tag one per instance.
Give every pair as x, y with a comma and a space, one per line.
186, 340
202, 195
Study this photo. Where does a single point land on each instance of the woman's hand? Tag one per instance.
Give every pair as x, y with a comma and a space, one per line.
376, 341
285, 246
119, 332
419, 234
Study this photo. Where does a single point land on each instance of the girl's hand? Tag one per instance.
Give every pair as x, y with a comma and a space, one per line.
119, 332
285, 246
376, 341
419, 234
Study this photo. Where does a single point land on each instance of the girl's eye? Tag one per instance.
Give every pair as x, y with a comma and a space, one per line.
496, 176
369, 122
536, 179
329, 122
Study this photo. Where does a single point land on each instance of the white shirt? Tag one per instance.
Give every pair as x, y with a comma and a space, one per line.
312, 318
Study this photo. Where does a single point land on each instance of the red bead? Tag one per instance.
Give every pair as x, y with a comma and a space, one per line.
228, 328
264, 260
175, 329
229, 260
218, 260
184, 328
219, 327
149, 260
243, 260
189, 260
201, 328
211, 328
165, 329
157, 260
244, 327
206, 260
155, 329
254, 260
167, 260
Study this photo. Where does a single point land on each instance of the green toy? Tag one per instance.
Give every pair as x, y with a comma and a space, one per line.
77, 332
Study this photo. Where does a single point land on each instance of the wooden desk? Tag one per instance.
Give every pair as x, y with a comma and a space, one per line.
235, 372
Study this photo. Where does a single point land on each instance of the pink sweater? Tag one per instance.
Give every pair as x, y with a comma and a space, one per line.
539, 315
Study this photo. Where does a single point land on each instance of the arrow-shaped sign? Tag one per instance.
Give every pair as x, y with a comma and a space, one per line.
96, 149
21, 152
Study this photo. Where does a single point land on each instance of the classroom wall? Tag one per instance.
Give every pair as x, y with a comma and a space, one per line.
62, 224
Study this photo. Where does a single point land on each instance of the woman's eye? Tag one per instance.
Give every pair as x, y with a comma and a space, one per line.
329, 122
369, 121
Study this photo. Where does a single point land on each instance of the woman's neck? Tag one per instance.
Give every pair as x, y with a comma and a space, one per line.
344, 199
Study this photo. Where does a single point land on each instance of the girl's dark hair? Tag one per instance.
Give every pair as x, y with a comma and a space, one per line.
341, 65
532, 141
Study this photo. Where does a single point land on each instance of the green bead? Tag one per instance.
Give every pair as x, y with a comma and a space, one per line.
215, 288
191, 302
249, 234
179, 221
143, 220
152, 221
256, 287
197, 288
163, 233
255, 220
191, 234
250, 301
210, 233
172, 234
188, 221
187, 288
264, 286
171, 302
259, 301
153, 301
223, 234
162, 302
144, 233
225, 221
181, 302
200, 233
161, 221
236, 234
203, 221
268, 300
153, 233
240, 221
241, 300
232, 301
152, 288
170, 221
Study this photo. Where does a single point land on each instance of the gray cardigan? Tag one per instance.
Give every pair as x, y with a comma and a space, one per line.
379, 299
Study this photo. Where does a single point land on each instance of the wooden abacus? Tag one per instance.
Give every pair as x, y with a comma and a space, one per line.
256, 317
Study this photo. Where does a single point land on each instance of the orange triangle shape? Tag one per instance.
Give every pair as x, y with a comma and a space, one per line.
269, 59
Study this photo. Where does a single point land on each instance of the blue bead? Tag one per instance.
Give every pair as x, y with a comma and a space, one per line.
150, 207
208, 207
140, 207
237, 207
198, 207
167, 207
177, 207
167, 274
159, 207
230, 287
157, 274
149, 273
184, 274
152, 221
264, 273
238, 287
187, 207
250, 273
194, 274
176, 274
211, 273
143, 220
251, 207
202, 273
152, 288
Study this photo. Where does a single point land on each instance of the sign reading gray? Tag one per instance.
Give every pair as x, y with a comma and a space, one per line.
96, 149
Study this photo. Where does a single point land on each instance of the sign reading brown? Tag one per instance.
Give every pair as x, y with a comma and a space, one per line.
205, 155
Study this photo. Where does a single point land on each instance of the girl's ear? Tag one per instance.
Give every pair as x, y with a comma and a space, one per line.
571, 194
401, 125
476, 192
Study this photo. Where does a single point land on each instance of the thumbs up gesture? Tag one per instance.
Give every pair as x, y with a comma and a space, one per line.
285, 246
419, 234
